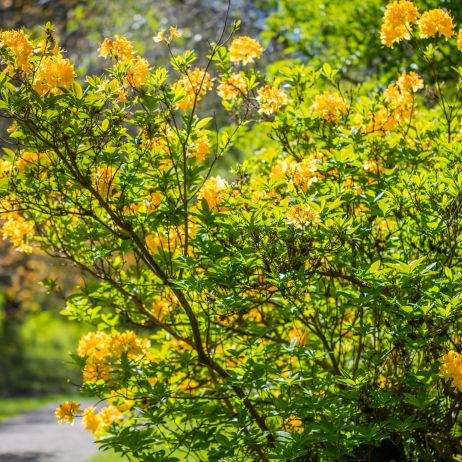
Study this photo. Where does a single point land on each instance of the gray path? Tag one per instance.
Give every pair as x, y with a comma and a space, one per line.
36, 437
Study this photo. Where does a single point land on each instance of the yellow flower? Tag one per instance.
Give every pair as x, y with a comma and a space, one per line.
410, 81
18, 231
137, 72
372, 166
94, 372
120, 48
245, 49
232, 87
298, 336
303, 174
52, 73
213, 191
300, 216
128, 343
397, 22
451, 368
294, 424
21, 47
459, 40
67, 411
270, 99
160, 309
382, 120
435, 22
174, 33
95, 345
90, 420
329, 106
161, 36
200, 148
192, 87
109, 415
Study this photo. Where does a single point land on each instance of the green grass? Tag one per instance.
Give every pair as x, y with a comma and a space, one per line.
107, 456
10, 407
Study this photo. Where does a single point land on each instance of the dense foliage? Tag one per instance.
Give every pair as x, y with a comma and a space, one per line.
305, 307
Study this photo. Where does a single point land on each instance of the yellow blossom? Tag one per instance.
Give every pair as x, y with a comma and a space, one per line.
21, 47
160, 309
6, 167
52, 73
161, 36
298, 336
294, 424
128, 343
397, 22
95, 345
66, 412
329, 106
120, 48
90, 420
245, 50
94, 372
105, 180
192, 87
410, 81
18, 231
451, 368
200, 148
372, 166
303, 174
137, 72
232, 87
435, 22
109, 415
300, 216
174, 33
459, 40
270, 99
213, 191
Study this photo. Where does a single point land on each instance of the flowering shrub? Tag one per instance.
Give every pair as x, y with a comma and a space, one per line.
304, 308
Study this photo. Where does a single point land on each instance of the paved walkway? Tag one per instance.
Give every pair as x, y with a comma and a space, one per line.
36, 437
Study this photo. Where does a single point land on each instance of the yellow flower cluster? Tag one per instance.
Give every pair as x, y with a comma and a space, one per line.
18, 230
200, 148
399, 104
300, 216
435, 22
232, 87
101, 350
301, 174
100, 422
397, 22
451, 368
162, 307
137, 72
171, 239
161, 36
135, 69
213, 191
270, 99
120, 48
410, 82
329, 106
104, 179
192, 87
66, 412
21, 47
29, 159
245, 50
52, 73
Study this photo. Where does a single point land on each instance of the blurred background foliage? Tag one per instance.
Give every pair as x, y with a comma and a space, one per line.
34, 340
